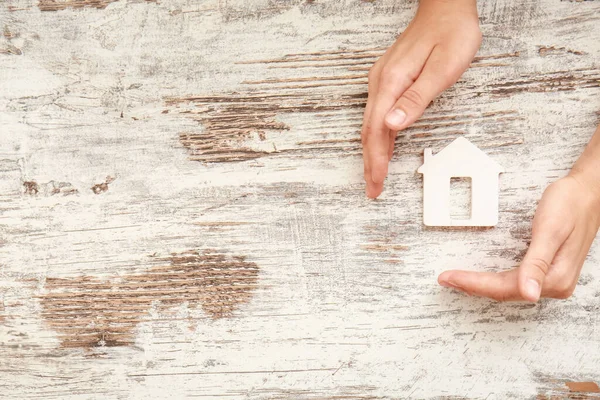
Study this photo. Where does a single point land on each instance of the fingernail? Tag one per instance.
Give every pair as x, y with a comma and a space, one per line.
395, 118
532, 290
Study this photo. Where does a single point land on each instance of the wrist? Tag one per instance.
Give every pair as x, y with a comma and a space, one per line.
589, 179
587, 168
449, 8
451, 3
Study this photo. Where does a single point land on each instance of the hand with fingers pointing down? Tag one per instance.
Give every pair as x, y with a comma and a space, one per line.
429, 57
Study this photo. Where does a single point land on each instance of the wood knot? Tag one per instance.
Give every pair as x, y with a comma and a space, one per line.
31, 188
103, 187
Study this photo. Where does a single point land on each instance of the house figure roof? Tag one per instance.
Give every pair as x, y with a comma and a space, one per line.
460, 157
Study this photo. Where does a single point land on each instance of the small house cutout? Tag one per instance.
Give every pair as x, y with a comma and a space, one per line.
460, 159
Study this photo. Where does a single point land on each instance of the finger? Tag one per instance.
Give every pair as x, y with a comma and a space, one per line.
442, 69
546, 240
561, 280
500, 286
372, 190
397, 75
367, 166
393, 135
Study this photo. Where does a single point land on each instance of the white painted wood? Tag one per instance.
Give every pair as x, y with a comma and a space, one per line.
146, 145
460, 159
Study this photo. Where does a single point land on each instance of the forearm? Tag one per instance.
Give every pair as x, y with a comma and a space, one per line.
456, 4
587, 167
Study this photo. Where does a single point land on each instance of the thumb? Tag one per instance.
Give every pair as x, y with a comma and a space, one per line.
536, 263
437, 75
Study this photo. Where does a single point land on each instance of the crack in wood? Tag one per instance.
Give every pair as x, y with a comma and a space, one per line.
9, 49
56, 5
549, 82
553, 50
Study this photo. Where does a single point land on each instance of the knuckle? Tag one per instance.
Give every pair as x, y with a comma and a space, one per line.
374, 76
477, 35
539, 264
452, 73
562, 288
373, 72
472, 31
500, 297
363, 130
560, 231
391, 75
364, 136
564, 293
413, 99
364, 140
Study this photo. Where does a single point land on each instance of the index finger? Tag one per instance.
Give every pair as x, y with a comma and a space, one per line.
373, 190
500, 286
400, 71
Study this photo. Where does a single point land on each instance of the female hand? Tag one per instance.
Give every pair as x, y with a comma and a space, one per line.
565, 225
429, 56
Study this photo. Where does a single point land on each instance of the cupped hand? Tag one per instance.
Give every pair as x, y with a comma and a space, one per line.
429, 56
564, 226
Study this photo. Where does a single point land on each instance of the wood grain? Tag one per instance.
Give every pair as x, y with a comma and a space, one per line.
55, 5
182, 211
89, 312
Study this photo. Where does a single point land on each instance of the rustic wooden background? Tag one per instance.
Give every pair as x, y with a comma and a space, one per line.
182, 211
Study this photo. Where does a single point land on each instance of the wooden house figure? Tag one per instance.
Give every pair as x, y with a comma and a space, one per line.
460, 159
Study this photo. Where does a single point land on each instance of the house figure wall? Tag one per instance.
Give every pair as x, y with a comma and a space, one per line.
460, 159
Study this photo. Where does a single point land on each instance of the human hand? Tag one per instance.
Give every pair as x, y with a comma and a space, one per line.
565, 225
429, 56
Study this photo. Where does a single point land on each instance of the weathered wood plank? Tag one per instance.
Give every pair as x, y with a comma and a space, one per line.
182, 209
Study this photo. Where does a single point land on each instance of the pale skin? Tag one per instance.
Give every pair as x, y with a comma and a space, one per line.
430, 56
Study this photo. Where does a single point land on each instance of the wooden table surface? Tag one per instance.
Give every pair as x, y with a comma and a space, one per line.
182, 210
